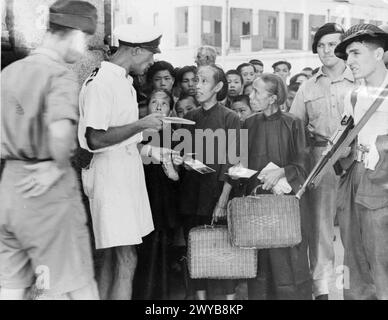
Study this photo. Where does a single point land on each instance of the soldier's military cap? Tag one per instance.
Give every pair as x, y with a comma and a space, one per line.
80, 15
359, 32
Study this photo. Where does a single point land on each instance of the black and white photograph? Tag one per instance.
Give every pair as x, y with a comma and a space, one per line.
194, 150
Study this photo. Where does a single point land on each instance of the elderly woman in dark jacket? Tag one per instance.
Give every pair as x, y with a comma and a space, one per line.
277, 137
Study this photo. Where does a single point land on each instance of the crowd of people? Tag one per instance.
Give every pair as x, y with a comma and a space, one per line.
141, 212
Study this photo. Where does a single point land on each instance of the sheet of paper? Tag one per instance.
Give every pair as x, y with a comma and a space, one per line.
177, 120
240, 172
198, 166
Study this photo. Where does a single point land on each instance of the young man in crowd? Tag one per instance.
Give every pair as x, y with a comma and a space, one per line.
320, 104
248, 73
186, 80
161, 75
259, 66
364, 218
282, 69
43, 232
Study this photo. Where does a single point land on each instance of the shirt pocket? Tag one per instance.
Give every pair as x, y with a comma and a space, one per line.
315, 105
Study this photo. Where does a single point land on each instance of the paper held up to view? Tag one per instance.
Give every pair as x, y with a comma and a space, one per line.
177, 120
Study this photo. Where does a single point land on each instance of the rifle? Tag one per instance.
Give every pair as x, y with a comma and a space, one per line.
342, 139
336, 146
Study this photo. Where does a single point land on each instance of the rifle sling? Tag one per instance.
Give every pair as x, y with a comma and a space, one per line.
352, 135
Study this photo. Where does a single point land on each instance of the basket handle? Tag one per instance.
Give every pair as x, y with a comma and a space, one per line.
254, 191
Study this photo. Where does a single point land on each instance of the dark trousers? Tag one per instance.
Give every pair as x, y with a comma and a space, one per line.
364, 234
217, 287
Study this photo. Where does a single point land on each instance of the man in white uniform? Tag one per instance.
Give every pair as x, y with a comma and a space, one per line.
114, 182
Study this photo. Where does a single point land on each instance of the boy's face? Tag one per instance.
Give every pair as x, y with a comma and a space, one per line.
363, 58
234, 85
282, 71
248, 74
290, 99
242, 109
259, 69
184, 106
189, 83
159, 103
248, 90
163, 80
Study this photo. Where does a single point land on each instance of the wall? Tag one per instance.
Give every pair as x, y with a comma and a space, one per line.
238, 16
293, 44
26, 22
210, 15
268, 42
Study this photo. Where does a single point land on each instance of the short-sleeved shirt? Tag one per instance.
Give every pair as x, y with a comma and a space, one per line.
35, 92
319, 102
107, 99
377, 125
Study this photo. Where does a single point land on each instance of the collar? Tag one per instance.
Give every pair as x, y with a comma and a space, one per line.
211, 110
347, 74
52, 54
274, 116
116, 69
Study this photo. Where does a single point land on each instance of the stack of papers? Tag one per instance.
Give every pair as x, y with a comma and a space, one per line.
282, 187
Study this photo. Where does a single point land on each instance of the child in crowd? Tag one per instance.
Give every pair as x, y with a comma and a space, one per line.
247, 89
151, 278
161, 75
292, 89
185, 104
235, 86
248, 72
242, 107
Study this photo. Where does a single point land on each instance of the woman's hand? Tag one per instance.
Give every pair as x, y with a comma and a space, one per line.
219, 212
271, 177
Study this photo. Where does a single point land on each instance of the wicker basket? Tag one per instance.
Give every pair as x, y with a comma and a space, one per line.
264, 221
212, 256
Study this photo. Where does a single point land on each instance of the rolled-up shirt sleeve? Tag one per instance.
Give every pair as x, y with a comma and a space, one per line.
298, 107
97, 106
62, 98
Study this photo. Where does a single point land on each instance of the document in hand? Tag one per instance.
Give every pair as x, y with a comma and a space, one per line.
177, 120
239, 172
198, 166
282, 187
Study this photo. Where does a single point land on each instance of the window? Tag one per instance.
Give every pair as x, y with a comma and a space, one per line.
272, 27
156, 19
246, 28
217, 26
294, 29
186, 21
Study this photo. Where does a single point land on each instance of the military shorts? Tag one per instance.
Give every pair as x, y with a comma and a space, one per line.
43, 240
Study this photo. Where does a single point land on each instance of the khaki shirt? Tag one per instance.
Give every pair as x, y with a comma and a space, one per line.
35, 92
319, 102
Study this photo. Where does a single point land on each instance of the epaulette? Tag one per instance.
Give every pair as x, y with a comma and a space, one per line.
92, 76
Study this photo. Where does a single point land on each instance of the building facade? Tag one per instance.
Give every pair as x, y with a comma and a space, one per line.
243, 29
